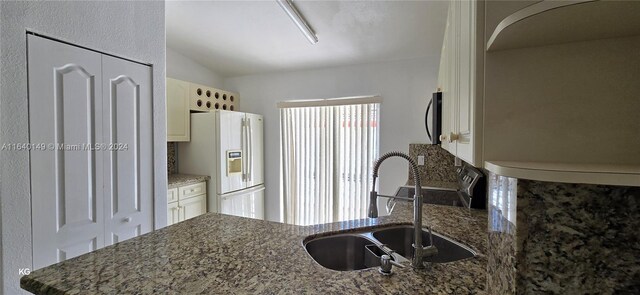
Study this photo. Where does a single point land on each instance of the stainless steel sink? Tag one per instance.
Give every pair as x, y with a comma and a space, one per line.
339, 252
400, 239
349, 251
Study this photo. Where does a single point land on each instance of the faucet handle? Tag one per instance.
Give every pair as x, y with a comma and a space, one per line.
385, 265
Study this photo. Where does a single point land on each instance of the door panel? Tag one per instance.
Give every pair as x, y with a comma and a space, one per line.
256, 150
77, 248
66, 208
230, 138
128, 151
125, 233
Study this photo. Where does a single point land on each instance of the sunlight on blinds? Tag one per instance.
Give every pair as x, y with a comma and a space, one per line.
327, 156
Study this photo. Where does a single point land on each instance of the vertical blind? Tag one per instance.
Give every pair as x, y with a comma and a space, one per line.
327, 157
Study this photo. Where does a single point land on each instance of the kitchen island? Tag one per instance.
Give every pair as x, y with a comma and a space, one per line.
222, 254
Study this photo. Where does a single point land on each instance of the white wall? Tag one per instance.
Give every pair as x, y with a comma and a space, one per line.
184, 68
130, 29
405, 86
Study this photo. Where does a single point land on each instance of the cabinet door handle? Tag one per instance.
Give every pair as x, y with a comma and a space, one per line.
126, 219
453, 137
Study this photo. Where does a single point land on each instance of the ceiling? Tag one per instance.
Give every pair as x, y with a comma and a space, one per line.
235, 38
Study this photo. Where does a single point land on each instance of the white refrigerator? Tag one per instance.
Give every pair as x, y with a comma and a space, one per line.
227, 146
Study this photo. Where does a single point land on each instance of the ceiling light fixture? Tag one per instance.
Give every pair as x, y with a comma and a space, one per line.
297, 18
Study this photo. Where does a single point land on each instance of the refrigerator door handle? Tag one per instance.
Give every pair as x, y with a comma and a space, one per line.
244, 144
250, 149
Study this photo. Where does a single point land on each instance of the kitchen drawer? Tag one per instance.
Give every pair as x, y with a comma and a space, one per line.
172, 195
192, 190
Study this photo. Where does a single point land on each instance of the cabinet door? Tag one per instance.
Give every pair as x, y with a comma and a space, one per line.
173, 216
447, 78
466, 79
64, 109
178, 118
193, 207
128, 130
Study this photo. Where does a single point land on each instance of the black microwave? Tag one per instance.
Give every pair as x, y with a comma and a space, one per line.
435, 106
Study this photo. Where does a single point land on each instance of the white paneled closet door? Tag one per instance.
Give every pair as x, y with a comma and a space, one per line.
128, 165
65, 107
90, 119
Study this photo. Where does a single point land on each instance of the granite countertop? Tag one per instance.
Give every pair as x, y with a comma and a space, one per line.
176, 180
216, 253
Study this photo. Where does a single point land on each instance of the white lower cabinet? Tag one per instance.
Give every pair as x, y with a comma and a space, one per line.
172, 213
186, 202
192, 207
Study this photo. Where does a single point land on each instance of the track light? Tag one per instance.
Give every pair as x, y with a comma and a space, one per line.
297, 18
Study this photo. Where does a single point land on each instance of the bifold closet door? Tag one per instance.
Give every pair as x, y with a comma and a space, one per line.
65, 107
90, 123
128, 127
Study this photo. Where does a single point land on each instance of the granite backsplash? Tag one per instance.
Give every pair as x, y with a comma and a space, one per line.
438, 169
172, 165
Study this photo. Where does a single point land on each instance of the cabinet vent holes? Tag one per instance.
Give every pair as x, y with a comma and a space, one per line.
208, 93
224, 97
199, 92
216, 95
199, 103
231, 108
231, 98
217, 105
208, 104
224, 106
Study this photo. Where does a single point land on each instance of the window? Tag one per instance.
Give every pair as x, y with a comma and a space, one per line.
328, 149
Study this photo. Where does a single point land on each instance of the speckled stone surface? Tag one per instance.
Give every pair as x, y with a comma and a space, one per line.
501, 259
176, 180
565, 239
221, 254
172, 166
438, 170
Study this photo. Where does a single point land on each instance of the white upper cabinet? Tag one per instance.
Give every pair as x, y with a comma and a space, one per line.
461, 81
85, 192
178, 118
522, 24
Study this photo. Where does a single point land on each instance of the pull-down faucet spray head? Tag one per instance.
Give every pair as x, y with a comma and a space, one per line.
373, 204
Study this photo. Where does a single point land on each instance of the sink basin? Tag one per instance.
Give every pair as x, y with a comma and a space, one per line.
400, 239
339, 252
361, 250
